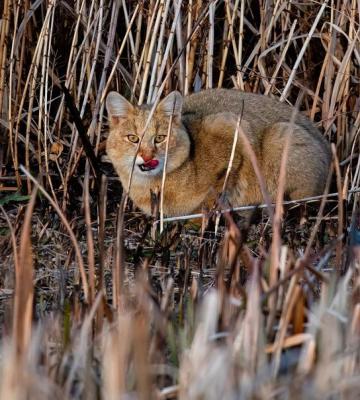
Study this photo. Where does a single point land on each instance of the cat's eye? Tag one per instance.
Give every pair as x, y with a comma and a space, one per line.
159, 138
133, 138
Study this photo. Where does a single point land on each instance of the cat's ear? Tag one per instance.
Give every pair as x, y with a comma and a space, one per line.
118, 107
171, 105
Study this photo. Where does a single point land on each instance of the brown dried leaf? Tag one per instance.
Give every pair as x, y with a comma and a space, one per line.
55, 150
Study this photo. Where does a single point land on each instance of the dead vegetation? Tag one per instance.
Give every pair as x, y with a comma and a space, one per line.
95, 302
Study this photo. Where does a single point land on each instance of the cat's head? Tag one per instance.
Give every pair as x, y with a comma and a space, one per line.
127, 123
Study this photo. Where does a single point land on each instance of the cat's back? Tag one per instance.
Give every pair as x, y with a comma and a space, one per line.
259, 110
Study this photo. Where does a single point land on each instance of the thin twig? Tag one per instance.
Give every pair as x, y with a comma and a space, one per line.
260, 206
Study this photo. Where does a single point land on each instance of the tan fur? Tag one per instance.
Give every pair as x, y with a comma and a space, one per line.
200, 146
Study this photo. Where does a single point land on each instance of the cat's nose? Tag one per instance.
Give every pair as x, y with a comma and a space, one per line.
146, 157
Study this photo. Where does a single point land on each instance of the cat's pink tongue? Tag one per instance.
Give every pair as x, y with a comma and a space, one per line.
152, 163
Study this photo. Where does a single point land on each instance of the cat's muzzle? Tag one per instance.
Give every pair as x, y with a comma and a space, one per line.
149, 165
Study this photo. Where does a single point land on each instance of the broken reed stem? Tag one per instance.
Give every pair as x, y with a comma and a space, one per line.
100, 284
260, 206
232, 155
24, 287
89, 236
240, 44
340, 208
162, 192
138, 31
47, 132
11, 80
101, 230
180, 46
3, 49
210, 47
188, 68
118, 265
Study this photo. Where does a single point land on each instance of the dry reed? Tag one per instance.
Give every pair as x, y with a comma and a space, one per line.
96, 302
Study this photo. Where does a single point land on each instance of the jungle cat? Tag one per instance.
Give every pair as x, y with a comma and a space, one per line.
199, 149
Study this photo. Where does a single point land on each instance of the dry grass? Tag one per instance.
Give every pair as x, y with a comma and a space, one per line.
95, 301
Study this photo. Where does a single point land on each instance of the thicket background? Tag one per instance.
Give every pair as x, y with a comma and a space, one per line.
95, 302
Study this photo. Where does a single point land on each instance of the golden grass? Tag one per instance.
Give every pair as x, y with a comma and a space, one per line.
96, 302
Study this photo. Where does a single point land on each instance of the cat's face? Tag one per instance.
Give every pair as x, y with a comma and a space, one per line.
130, 131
